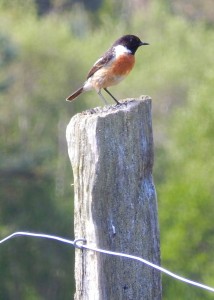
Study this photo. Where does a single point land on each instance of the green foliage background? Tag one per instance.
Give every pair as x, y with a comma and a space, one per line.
45, 54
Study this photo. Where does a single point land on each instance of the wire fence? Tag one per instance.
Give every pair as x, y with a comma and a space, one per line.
81, 244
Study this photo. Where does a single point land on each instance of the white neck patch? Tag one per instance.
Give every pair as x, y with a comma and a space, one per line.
120, 50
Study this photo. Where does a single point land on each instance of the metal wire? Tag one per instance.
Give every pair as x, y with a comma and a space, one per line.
80, 243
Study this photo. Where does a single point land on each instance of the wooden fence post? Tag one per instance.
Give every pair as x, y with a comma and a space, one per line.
111, 152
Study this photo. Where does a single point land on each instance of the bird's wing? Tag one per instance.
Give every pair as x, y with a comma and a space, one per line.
102, 61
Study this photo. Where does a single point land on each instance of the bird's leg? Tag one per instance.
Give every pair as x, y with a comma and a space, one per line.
112, 96
102, 98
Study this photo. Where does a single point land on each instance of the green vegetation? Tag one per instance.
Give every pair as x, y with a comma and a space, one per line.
186, 200
45, 54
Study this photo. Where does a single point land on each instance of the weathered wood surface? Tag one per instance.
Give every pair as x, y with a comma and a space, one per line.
111, 152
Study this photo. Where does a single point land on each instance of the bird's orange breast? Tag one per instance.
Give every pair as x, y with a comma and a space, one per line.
123, 64
113, 72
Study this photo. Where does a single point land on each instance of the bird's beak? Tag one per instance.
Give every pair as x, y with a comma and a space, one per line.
143, 44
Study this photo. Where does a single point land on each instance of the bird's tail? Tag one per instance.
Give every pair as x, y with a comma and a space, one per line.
75, 94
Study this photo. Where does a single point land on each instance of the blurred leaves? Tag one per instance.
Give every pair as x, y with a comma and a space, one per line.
7, 55
186, 196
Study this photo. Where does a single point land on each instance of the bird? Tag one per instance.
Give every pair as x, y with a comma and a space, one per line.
112, 67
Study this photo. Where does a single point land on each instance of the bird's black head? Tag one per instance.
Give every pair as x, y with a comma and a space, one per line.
131, 42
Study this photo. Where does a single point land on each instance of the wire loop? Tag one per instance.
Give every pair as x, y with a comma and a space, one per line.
76, 241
